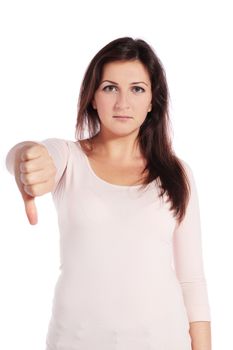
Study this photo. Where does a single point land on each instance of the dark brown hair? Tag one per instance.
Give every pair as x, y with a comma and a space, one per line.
154, 135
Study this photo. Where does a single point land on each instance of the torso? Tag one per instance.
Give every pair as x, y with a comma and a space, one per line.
115, 173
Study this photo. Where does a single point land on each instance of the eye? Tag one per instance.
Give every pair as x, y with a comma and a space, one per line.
108, 86
113, 86
139, 88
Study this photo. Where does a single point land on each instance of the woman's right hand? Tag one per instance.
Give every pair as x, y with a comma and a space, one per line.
35, 173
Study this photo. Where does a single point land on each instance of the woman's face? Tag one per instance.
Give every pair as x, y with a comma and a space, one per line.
124, 90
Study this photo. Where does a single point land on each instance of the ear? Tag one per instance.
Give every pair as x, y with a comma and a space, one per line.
150, 107
93, 104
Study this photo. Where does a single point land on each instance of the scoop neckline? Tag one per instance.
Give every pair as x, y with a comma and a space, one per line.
104, 182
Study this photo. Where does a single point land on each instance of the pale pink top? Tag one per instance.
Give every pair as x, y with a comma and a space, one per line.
131, 278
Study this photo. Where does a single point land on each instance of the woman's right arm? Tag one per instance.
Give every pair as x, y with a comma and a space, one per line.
37, 167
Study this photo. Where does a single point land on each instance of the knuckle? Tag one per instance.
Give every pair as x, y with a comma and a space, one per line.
24, 166
22, 178
31, 151
27, 179
25, 154
31, 190
32, 148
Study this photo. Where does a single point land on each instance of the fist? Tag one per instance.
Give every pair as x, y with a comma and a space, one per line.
35, 174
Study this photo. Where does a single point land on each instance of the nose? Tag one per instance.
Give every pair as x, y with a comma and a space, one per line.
122, 101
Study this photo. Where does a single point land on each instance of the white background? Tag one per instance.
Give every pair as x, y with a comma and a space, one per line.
45, 48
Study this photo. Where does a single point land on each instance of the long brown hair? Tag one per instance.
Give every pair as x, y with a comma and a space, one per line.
154, 134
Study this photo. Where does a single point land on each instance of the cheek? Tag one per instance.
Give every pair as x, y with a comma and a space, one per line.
142, 108
105, 102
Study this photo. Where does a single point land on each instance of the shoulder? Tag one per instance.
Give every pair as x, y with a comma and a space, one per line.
55, 141
58, 147
58, 144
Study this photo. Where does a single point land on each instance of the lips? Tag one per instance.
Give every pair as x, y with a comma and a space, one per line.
121, 116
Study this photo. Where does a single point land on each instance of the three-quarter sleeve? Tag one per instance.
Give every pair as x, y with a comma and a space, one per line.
57, 148
188, 258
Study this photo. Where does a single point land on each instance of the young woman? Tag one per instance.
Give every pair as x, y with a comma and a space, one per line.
132, 273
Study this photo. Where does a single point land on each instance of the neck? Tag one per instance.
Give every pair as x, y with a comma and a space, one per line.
115, 148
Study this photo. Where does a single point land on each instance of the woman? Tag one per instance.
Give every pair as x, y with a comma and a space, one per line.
132, 273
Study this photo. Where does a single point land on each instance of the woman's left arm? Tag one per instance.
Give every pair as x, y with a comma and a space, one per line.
200, 333
189, 267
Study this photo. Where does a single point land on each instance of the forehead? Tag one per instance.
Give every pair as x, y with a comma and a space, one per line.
130, 70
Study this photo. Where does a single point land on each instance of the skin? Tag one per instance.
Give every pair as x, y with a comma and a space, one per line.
116, 140
34, 174
200, 333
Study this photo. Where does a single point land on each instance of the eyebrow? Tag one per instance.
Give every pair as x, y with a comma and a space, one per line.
136, 82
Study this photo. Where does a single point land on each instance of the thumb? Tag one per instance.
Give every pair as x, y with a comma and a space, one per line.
30, 208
